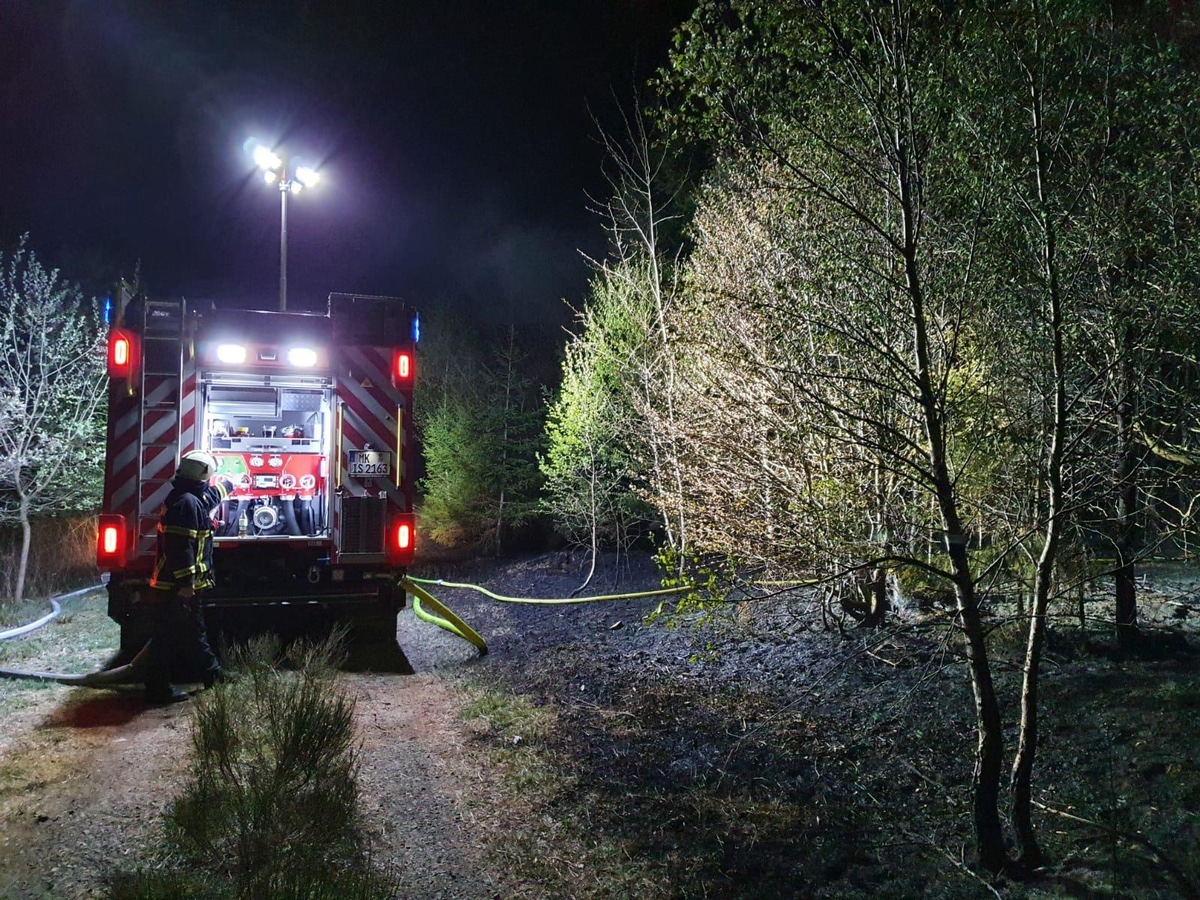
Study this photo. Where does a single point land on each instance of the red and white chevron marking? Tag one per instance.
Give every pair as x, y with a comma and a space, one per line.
370, 413
121, 462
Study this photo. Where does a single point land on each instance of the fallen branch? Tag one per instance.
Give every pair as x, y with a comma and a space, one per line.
1185, 884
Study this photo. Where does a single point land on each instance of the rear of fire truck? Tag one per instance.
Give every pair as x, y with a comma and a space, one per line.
310, 417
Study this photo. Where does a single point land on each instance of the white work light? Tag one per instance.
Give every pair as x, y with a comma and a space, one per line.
265, 158
304, 357
231, 354
308, 176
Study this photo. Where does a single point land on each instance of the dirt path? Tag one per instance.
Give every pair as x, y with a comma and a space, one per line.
86, 778
415, 774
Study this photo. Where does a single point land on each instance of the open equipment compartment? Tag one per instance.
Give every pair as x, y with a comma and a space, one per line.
273, 441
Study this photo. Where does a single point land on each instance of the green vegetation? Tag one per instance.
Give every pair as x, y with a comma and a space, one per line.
480, 420
271, 807
922, 322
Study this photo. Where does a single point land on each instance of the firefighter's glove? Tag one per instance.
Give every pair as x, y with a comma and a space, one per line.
187, 592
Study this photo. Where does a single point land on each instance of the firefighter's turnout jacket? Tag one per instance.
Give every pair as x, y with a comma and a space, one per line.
185, 535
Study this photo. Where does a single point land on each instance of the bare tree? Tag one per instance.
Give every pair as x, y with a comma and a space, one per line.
643, 205
846, 335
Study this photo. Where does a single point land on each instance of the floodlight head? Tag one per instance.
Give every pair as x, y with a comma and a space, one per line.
266, 159
308, 176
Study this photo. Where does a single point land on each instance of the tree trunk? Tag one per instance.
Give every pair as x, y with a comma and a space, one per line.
875, 592
1125, 521
26, 542
989, 755
1028, 852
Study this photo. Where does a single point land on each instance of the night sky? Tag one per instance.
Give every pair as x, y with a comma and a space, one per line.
455, 140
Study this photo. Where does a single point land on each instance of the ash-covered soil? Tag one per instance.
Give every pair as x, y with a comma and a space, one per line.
763, 749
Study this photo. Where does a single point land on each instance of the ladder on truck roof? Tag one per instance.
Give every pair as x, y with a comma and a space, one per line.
168, 397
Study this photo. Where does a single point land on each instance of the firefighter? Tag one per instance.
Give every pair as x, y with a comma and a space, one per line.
183, 569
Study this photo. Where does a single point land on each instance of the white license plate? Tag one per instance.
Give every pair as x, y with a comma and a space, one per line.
370, 464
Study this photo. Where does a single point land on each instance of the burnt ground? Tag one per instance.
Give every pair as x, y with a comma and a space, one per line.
743, 752
760, 750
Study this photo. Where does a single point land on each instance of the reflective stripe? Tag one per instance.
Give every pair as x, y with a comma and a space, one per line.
179, 529
367, 412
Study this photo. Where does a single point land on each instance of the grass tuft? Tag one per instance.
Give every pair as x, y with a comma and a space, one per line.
271, 807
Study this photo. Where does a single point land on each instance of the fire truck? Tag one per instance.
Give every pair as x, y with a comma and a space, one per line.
310, 416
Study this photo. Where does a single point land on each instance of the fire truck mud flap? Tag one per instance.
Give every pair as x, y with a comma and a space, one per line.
368, 619
370, 628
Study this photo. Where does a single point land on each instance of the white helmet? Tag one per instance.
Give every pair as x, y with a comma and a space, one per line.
198, 465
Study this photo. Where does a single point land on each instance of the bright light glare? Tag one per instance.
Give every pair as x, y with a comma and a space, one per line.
402, 366
302, 356
109, 540
266, 159
308, 176
269, 177
295, 187
231, 354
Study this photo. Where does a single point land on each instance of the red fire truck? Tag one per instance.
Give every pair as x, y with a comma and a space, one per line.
310, 416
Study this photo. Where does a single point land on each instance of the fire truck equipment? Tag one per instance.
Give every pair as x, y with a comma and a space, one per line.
310, 417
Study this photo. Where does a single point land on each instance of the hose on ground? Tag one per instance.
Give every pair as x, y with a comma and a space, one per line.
442, 616
550, 601
127, 674
446, 619
55, 609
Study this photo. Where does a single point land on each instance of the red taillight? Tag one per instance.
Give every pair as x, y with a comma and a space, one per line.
402, 539
120, 354
402, 368
110, 542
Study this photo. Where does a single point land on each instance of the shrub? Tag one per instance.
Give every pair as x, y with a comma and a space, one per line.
272, 802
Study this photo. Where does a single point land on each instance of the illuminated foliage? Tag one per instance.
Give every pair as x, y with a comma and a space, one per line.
52, 386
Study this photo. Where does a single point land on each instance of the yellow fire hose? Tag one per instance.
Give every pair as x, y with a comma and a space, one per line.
550, 601
452, 623
444, 617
